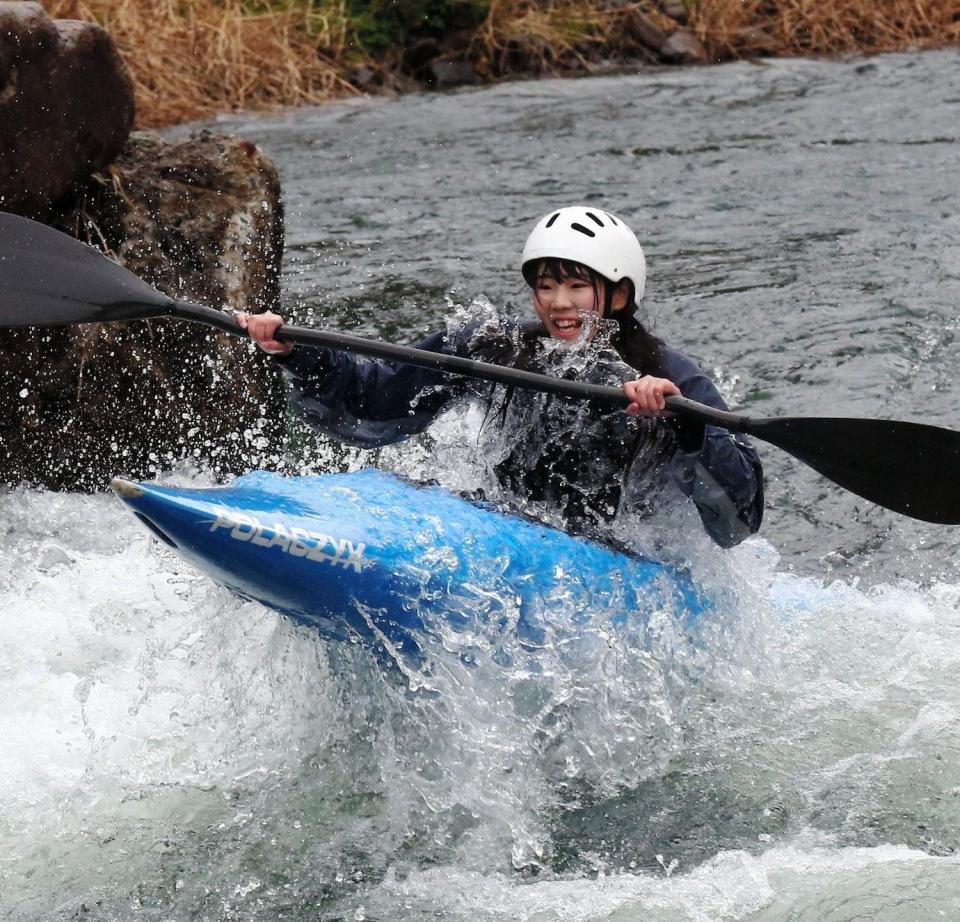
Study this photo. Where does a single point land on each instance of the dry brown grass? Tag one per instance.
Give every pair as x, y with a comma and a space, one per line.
731, 28
550, 35
556, 35
193, 58
538, 37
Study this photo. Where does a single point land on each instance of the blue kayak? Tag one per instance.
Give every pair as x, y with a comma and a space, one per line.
371, 557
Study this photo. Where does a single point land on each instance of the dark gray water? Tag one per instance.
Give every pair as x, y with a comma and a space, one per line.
169, 753
800, 220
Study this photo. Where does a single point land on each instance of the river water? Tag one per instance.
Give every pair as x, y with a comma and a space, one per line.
169, 752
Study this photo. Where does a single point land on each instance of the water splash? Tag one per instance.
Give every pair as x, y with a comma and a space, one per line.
816, 775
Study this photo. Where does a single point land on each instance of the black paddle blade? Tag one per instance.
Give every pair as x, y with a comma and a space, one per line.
910, 468
49, 279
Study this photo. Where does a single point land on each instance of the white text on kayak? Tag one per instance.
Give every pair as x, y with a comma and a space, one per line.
298, 542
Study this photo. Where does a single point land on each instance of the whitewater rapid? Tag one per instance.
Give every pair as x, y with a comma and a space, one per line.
167, 746
168, 752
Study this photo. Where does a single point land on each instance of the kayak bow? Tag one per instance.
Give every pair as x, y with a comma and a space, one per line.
370, 557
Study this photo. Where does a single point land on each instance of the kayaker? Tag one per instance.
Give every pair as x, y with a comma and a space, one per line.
583, 461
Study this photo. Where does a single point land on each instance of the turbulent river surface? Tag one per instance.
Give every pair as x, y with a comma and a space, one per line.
170, 752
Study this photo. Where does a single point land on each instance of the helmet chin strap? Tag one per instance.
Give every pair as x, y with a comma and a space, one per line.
607, 311
609, 292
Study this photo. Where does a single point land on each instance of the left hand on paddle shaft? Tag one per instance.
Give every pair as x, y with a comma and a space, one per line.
646, 395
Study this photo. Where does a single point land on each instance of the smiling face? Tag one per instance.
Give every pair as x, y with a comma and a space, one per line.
567, 295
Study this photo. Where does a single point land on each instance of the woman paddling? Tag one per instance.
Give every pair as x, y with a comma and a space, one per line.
586, 462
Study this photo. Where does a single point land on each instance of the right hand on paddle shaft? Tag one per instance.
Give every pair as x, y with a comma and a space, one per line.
647, 395
262, 329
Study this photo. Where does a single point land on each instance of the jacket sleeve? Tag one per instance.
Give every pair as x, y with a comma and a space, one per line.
367, 402
719, 471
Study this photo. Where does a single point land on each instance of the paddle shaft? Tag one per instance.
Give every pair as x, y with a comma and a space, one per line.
907, 461
48, 279
455, 364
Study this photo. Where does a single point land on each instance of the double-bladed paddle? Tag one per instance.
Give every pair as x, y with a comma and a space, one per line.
50, 279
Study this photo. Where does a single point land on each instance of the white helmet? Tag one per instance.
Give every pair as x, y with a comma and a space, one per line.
591, 237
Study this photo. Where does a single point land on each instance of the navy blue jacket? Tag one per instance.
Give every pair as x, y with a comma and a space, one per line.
584, 460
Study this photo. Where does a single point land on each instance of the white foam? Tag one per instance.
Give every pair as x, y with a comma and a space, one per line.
139, 701
732, 885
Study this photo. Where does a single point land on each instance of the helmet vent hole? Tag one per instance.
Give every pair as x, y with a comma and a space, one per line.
594, 218
554, 218
611, 217
583, 230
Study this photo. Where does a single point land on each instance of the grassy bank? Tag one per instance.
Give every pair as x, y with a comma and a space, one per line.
193, 58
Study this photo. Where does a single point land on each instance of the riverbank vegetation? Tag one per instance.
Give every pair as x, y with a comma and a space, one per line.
193, 58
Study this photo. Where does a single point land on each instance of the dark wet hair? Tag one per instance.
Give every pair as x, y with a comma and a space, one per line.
635, 344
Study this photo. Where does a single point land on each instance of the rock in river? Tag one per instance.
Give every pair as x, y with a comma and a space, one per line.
201, 219
66, 105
